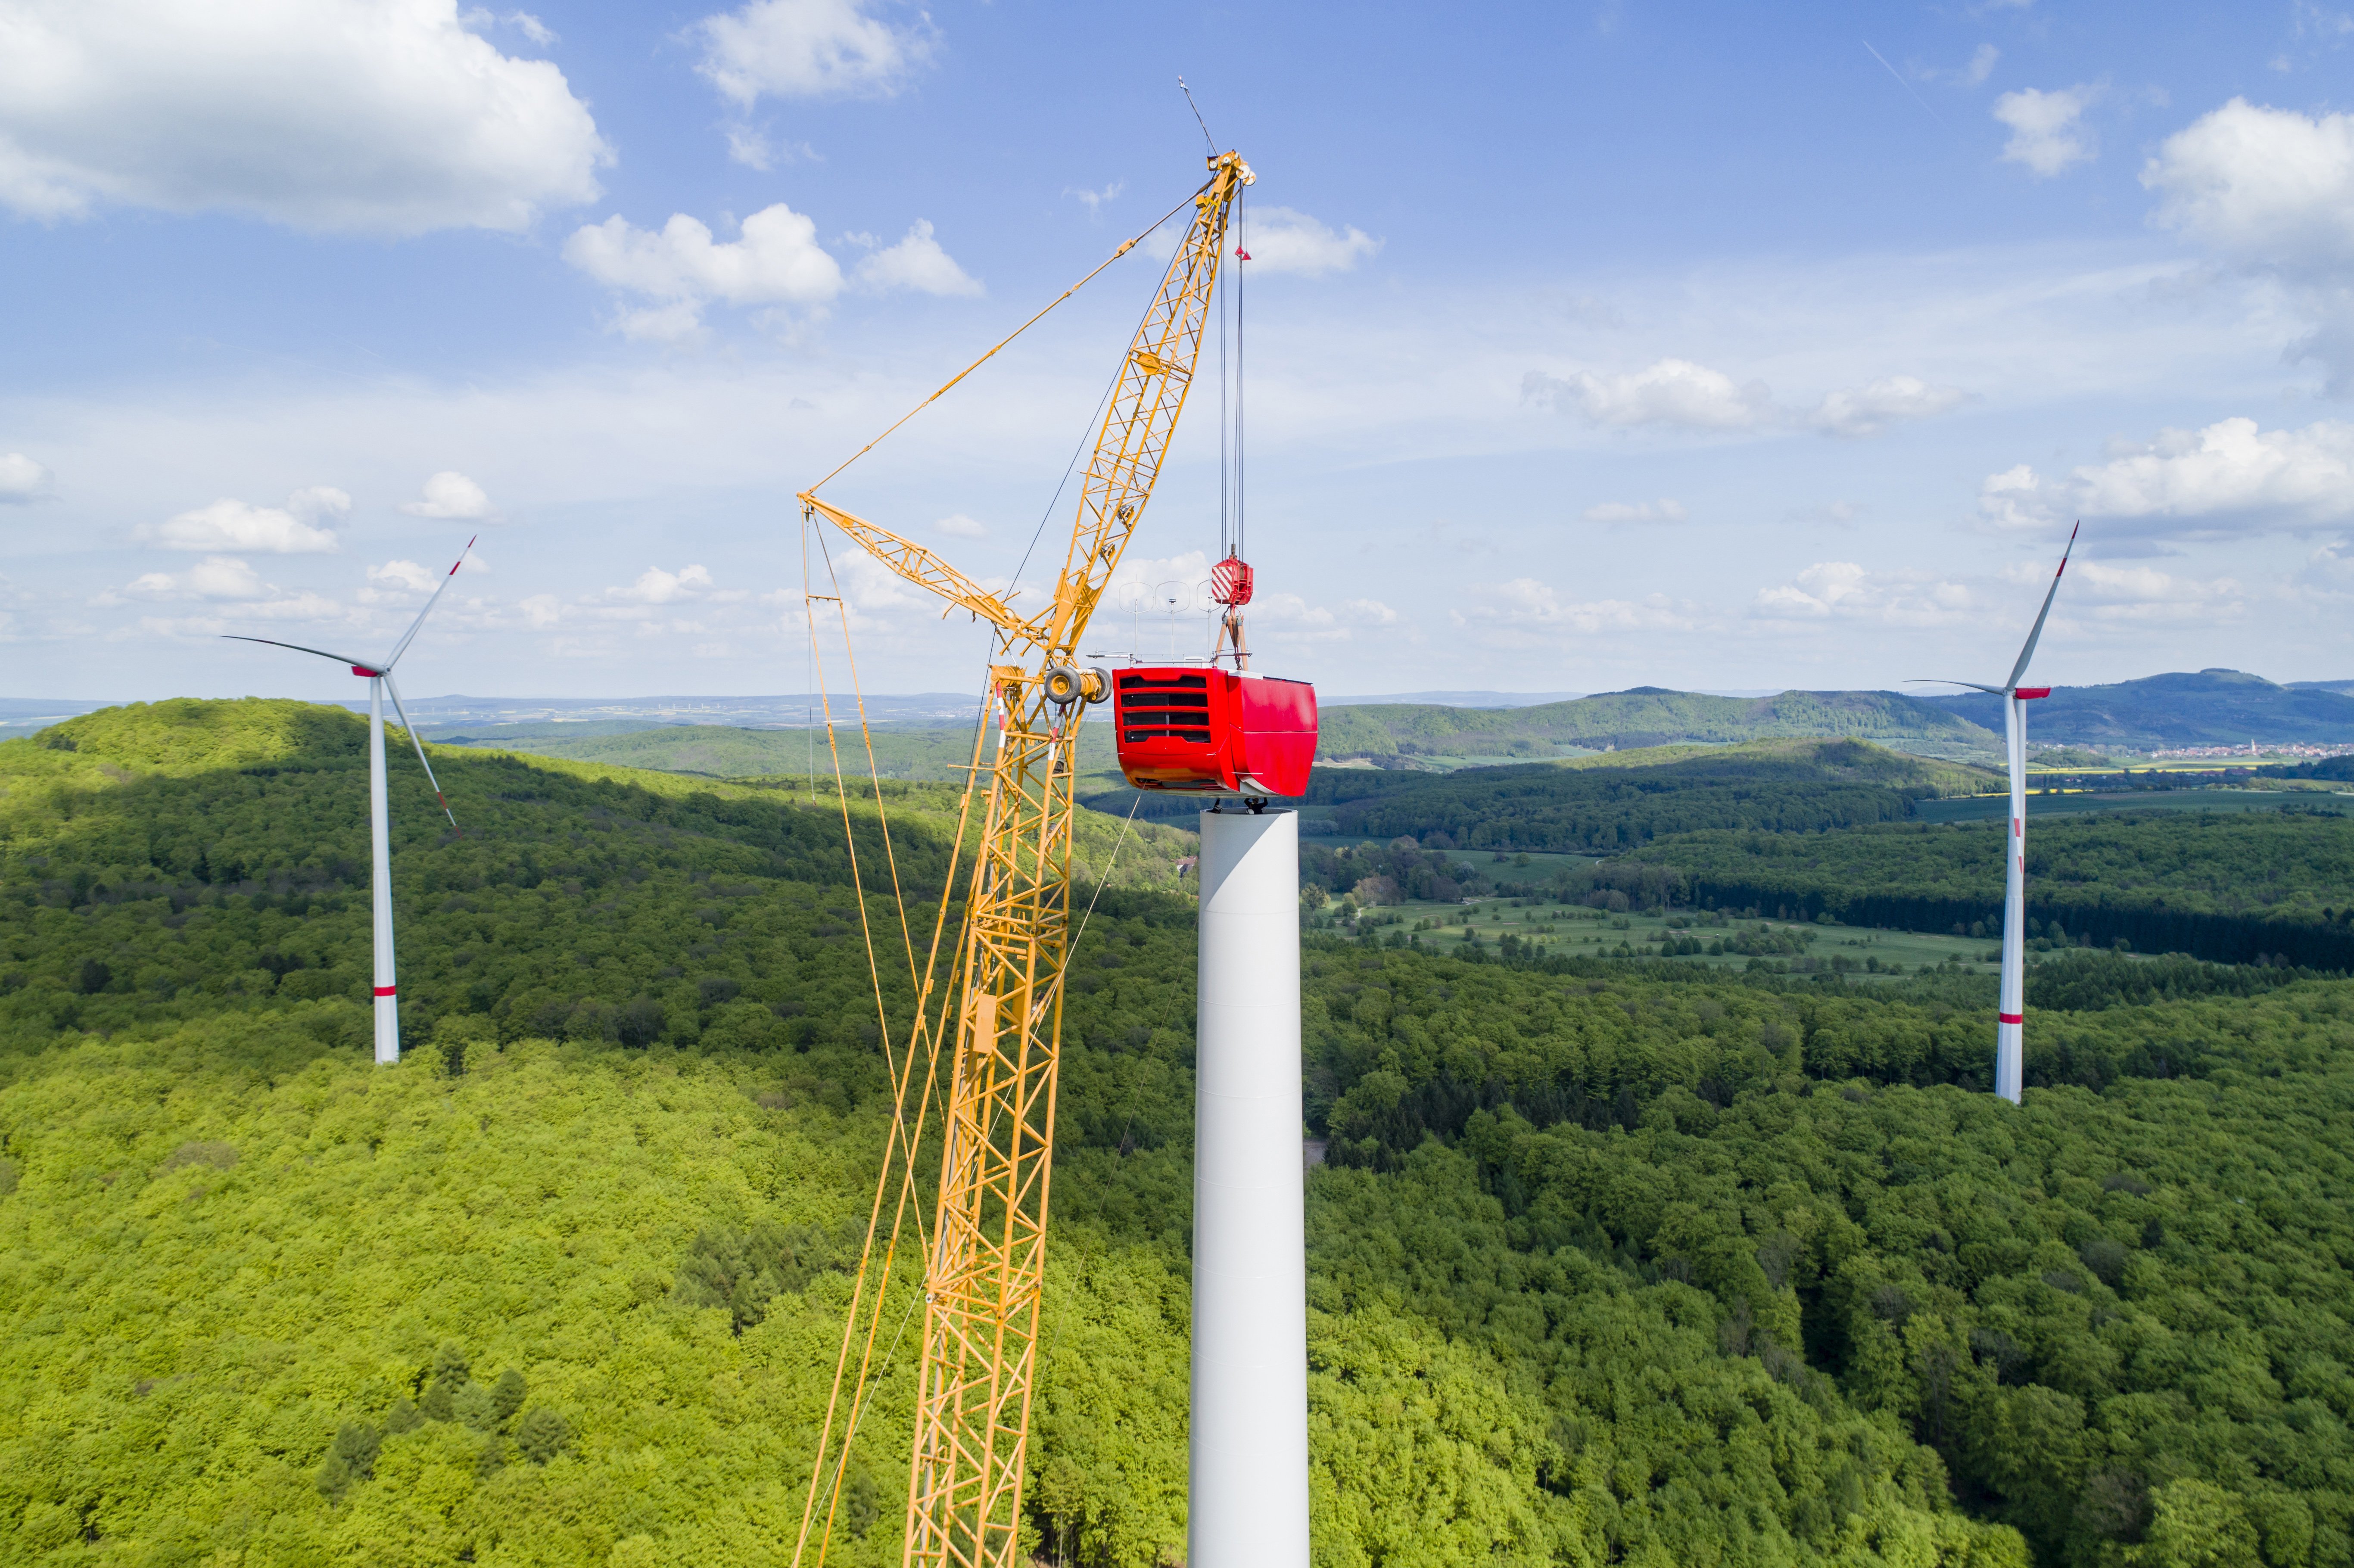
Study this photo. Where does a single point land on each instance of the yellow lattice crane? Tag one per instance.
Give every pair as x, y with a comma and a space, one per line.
983, 1253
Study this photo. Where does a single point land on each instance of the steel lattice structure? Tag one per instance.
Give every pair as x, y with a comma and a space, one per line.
984, 1255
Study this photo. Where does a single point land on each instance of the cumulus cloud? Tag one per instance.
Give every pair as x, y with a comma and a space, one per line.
2272, 191
1672, 392
234, 590
21, 479
1524, 609
1870, 410
2046, 129
452, 494
297, 528
1094, 201
1844, 589
2268, 186
1680, 394
215, 576
2230, 477
655, 585
2139, 593
1626, 512
776, 258
541, 610
375, 116
1280, 239
807, 48
916, 262
403, 576
956, 525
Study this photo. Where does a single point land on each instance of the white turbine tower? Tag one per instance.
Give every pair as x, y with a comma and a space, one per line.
378, 675
2011, 1018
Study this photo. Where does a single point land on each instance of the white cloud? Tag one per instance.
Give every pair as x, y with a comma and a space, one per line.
1844, 589
1094, 201
377, 116
2145, 593
1280, 239
2230, 477
655, 585
1866, 411
21, 479
807, 48
215, 576
2047, 130
916, 262
1621, 512
1982, 64
1679, 393
775, 259
233, 525
541, 610
1525, 606
405, 577
450, 494
1672, 392
2268, 187
234, 587
956, 525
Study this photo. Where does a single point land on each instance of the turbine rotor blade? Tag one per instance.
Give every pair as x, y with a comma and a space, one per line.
395, 693
273, 642
2029, 652
402, 646
1941, 680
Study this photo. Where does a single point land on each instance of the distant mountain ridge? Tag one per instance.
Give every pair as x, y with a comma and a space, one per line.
2211, 707
1644, 715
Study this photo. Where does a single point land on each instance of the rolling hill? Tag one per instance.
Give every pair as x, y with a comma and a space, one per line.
2211, 707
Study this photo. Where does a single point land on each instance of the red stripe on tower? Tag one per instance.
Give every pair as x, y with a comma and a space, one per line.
2011, 1017
385, 989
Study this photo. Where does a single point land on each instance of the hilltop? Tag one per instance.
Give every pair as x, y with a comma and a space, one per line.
2211, 707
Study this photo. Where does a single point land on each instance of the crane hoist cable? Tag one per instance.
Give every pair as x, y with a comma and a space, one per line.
996, 1017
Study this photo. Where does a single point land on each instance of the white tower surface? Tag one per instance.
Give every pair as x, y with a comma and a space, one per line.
388, 1001
1248, 1450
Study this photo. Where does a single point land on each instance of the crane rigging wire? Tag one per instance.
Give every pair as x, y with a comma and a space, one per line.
1125, 246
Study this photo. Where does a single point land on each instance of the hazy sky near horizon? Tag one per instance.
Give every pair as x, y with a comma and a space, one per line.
1589, 346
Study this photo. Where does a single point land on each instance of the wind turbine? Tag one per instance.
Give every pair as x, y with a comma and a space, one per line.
378, 675
2011, 1018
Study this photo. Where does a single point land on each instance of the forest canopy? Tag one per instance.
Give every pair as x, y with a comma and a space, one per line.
1609, 1262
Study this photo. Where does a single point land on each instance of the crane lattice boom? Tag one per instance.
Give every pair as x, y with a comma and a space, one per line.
984, 1260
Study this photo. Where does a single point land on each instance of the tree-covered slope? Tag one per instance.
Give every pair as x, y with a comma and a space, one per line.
2228, 886
1646, 716
722, 751
167, 861
1603, 805
2213, 707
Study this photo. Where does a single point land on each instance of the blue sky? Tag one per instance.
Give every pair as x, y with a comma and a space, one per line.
1721, 346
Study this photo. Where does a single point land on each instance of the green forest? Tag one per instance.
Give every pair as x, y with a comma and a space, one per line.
2233, 886
1610, 1262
